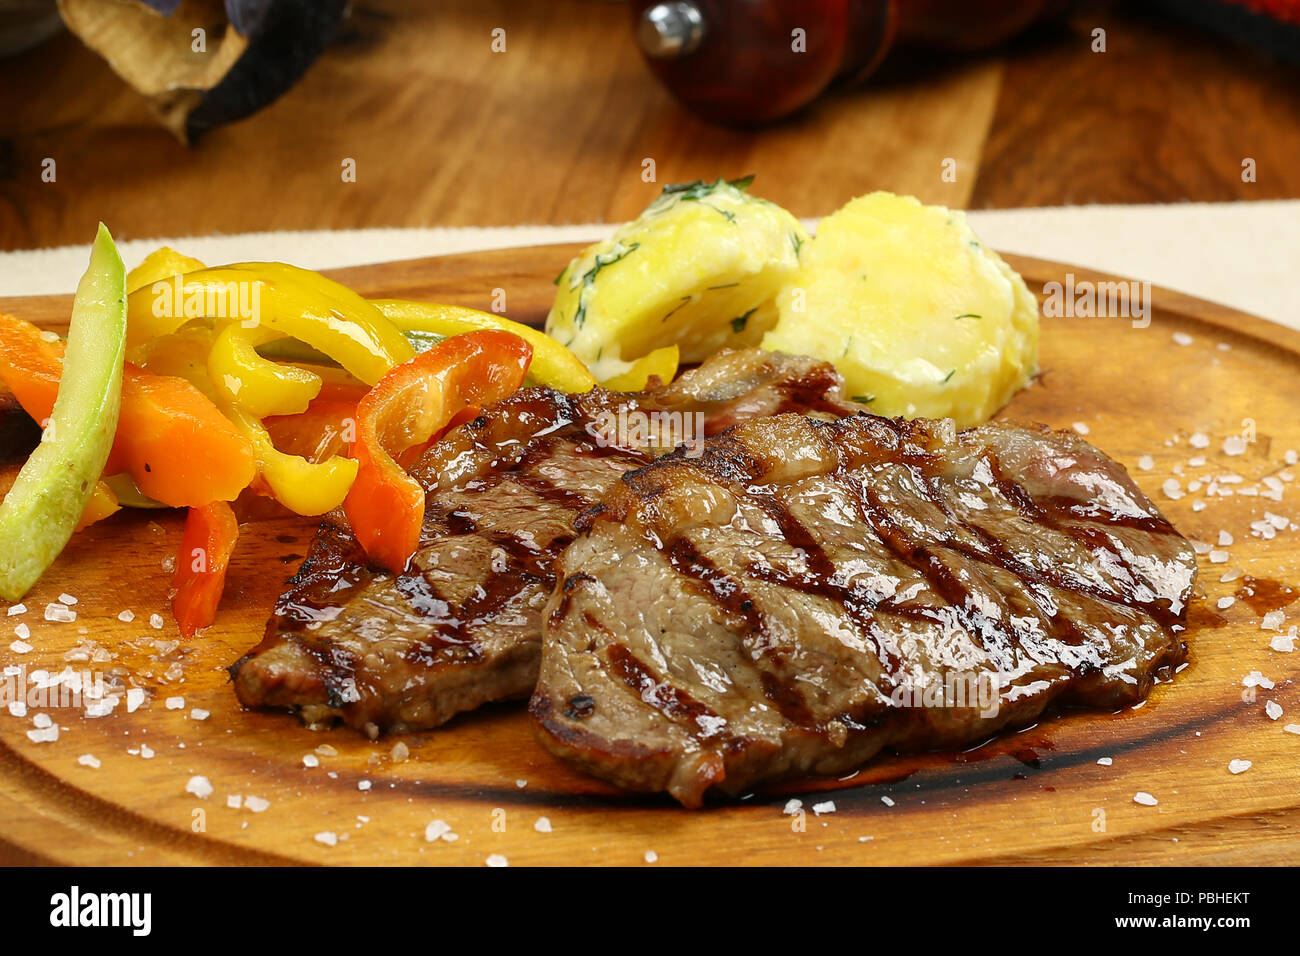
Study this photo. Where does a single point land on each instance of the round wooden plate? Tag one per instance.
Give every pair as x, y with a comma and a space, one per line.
1060, 792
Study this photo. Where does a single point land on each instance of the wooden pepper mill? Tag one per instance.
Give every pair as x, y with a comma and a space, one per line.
750, 62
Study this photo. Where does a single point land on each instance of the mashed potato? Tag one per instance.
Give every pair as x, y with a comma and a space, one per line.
920, 317
700, 268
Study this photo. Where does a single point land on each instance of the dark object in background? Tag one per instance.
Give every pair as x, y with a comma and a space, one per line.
248, 53
743, 63
1270, 26
735, 62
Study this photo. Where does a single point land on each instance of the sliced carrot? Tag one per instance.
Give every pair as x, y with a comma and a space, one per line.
175, 443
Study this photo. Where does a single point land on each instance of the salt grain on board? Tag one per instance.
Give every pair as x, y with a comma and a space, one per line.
256, 804
1272, 621
1081, 427
1256, 679
1199, 440
792, 807
22, 631
156, 621
1234, 445
887, 801
1292, 728
437, 830
1105, 761
1238, 766
1226, 602
310, 760
67, 598
1146, 462
651, 856
234, 801
16, 610
1145, 799
497, 860
198, 713
1182, 338
827, 806
47, 736
20, 647
175, 703
127, 616
327, 838
1284, 643
200, 786
59, 613
1273, 709
134, 698
89, 760
542, 825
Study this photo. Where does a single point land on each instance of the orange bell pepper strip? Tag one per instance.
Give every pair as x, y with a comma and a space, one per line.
177, 446
206, 545
101, 505
407, 407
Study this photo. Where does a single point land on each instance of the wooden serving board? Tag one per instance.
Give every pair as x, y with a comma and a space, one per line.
1038, 796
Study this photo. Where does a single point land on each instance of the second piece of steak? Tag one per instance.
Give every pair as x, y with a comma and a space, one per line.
806, 593
462, 626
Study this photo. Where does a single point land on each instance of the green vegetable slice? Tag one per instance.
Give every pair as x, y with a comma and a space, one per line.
42, 508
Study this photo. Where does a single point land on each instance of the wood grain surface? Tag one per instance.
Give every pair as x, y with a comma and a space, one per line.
1038, 796
556, 129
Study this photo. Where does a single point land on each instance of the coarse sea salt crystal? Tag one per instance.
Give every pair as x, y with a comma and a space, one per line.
310, 760
175, 703
1146, 462
1234, 445
1238, 766
1284, 643
16, 610
256, 804
44, 736
1145, 799
497, 860
542, 825
89, 760
59, 613
327, 838
134, 698
1292, 728
1182, 338
1172, 490
42, 721
364, 785
233, 801
1105, 761
17, 708
1225, 539
146, 752
127, 616
826, 806
1226, 602
1273, 709
200, 786
20, 647
1218, 557
1272, 621
1199, 440
1081, 427
1256, 679
436, 830
651, 856
887, 801
792, 807
156, 621
198, 713
67, 598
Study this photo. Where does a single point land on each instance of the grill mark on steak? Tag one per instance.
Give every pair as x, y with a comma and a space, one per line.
506, 490
803, 572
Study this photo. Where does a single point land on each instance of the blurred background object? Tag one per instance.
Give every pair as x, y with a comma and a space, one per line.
203, 63
507, 112
26, 23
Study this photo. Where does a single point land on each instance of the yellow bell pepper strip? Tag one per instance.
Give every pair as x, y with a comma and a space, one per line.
259, 386
101, 505
206, 545
183, 354
295, 302
302, 486
162, 263
553, 364
54, 486
661, 363
179, 449
409, 405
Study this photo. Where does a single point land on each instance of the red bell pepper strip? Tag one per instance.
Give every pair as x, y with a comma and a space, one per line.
407, 407
200, 576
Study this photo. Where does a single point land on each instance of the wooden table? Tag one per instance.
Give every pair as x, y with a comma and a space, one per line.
445, 132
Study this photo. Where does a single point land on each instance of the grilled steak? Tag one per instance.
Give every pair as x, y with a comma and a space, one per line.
462, 626
806, 593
